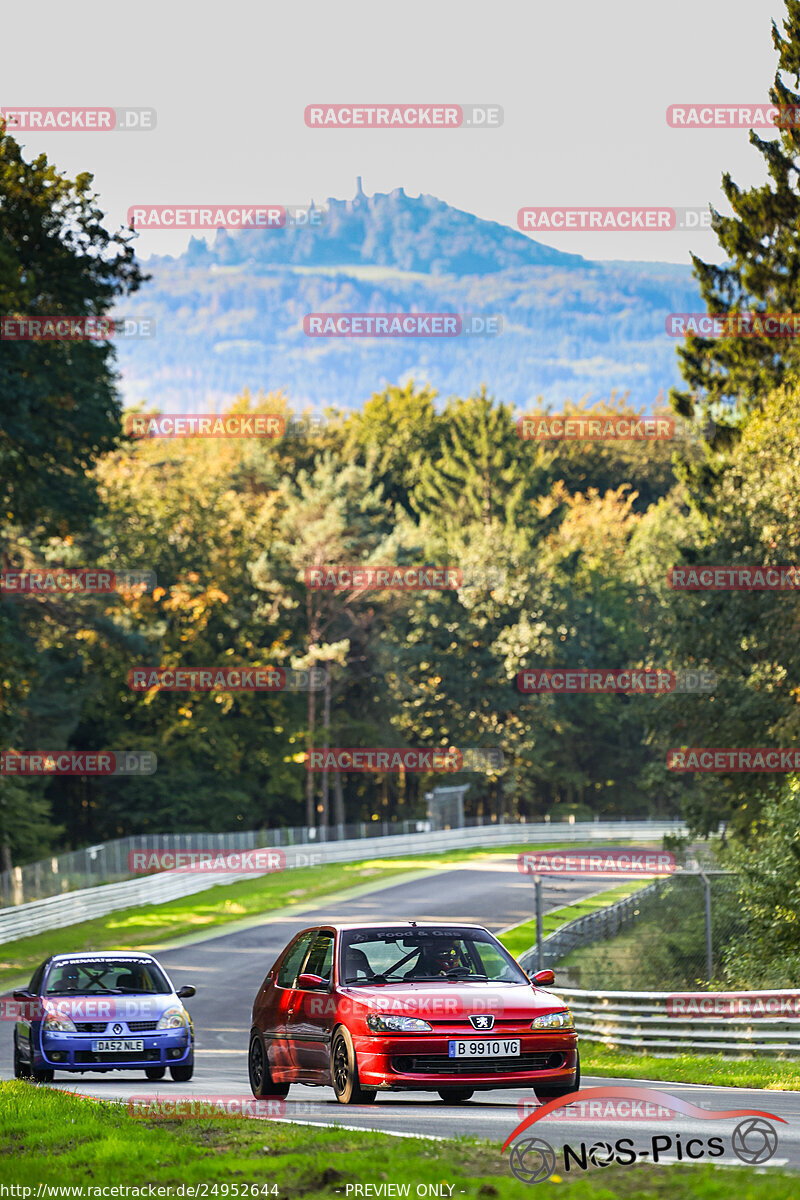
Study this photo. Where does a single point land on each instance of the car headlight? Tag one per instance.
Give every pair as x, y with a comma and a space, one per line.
58, 1023
380, 1024
172, 1018
554, 1020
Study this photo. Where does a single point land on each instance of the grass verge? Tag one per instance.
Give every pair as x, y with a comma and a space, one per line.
147, 926
710, 1069
50, 1137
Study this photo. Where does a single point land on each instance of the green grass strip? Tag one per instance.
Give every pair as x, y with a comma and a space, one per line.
58, 1140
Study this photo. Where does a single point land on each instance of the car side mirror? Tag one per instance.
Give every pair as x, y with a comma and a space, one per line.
186, 991
543, 978
312, 983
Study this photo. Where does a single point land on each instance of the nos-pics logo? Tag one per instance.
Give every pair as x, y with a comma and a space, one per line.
532, 1159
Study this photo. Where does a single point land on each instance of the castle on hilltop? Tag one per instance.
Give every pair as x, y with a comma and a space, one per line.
362, 200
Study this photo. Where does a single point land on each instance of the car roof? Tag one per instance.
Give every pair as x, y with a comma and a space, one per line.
103, 956
350, 925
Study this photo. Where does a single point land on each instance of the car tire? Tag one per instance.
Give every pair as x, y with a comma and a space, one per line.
182, 1073
42, 1076
456, 1095
344, 1071
21, 1069
155, 1072
261, 1083
545, 1092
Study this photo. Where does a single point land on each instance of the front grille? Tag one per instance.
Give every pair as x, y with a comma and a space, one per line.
90, 1026
440, 1064
142, 1026
86, 1056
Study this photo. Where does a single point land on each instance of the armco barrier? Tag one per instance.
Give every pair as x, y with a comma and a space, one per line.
639, 1021
55, 912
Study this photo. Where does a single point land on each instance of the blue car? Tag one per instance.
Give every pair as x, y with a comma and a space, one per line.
102, 1012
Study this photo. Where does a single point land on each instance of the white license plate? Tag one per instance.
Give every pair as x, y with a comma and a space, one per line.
484, 1048
117, 1045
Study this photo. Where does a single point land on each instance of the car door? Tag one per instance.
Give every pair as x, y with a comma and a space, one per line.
30, 1012
313, 1011
276, 1030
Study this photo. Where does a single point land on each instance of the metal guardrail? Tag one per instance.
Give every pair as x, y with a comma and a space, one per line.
639, 1021
107, 862
55, 912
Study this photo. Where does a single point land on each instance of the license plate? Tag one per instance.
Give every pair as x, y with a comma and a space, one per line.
484, 1048
117, 1045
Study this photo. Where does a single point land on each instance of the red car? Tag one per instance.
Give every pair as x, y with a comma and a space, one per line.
416, 1006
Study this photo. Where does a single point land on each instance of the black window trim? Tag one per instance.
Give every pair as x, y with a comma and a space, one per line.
310, 934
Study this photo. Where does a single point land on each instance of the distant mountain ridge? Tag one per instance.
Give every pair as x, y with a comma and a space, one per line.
389, 229
230, 315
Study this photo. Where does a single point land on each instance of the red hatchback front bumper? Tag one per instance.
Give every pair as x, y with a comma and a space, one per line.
424, 1062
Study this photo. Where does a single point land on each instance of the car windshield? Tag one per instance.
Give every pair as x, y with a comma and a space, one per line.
427, 954
93, 977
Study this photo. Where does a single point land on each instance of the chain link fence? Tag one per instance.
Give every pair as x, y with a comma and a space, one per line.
670, 939
107, 862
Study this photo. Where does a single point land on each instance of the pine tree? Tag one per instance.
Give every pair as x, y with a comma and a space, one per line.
731, 376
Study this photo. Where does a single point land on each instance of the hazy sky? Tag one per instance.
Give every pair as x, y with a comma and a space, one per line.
584, 87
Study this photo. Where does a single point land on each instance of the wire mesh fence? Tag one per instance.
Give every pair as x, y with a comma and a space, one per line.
108, 862
673, 935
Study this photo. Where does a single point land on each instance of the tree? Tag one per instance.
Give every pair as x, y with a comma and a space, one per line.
59, 413
730, 376
478, 473
333, 514
750, 640
767, 859
60, 410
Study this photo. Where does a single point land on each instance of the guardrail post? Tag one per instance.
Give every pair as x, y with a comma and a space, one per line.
709, 956
537, 881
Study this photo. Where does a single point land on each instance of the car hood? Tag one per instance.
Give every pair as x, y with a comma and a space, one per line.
440, 1002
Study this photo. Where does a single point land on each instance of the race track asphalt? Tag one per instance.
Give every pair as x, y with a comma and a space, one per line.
228, 968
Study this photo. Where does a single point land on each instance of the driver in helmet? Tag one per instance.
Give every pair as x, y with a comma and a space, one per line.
440, 958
